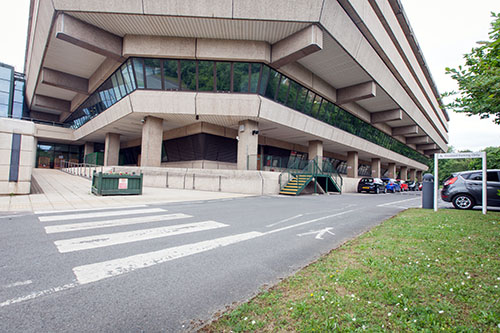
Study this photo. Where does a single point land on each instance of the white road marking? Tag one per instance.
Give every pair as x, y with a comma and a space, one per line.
285, 220
92, 242
52, 229
102, 270
85, 209
38, 294
99, 214
319, 233
17, 284
310, 221
395, 202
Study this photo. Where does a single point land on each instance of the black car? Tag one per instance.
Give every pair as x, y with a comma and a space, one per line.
368, 184
464, 189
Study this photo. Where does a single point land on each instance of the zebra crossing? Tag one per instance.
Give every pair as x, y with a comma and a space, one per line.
61, 226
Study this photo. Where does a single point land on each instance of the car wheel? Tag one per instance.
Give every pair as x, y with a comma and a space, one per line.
463, 201
377, 190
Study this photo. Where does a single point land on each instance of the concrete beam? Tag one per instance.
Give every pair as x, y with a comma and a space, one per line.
356, 92
428, 146
51, 103
65, 81
432, 151
418, 140
405, 130
297, 46
385, 116
88, 36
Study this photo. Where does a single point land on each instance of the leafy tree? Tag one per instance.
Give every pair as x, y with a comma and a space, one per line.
492, 159
479, 79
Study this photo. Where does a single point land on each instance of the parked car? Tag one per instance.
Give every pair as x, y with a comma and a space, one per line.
413, 186
464, 189
369, 184
393, 186
403, 184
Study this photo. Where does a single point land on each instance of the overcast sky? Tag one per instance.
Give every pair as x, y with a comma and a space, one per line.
445, 29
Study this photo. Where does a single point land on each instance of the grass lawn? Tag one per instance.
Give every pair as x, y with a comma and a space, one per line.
417, 271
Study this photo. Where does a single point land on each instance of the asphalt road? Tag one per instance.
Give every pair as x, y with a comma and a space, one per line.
167, 267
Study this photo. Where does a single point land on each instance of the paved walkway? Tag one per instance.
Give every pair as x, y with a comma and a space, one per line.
63, 192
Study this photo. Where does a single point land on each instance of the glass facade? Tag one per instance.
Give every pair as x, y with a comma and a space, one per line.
230, 77
50, 155
12, 93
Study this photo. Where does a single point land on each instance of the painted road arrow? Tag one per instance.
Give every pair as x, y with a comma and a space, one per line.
319, 233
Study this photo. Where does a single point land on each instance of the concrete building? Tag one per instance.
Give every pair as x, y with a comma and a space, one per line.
231, 84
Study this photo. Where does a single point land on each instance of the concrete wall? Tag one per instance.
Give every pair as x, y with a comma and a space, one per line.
232, 181
26, 158
200, 164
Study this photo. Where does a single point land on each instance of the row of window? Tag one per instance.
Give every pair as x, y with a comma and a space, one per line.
229, 77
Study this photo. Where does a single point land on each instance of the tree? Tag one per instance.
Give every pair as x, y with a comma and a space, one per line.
492, 159
479, 79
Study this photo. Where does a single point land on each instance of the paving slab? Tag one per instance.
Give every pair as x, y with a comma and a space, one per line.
62, 191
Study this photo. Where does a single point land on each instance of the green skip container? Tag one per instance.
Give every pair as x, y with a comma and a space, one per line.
116, 184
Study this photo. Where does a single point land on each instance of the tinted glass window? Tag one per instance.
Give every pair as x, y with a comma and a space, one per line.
254, 80
188, 75
139, 73
4, 98
264, 78
492, 176
153, 73
223, 76
206, 76
170, 74
283, 90
5, 73
272, 84
240, 77
476, 176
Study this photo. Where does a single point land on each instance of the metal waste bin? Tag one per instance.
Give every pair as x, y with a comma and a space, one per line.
428, 191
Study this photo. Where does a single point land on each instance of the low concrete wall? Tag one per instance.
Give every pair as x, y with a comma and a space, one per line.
232, 181
201, 164
350, 185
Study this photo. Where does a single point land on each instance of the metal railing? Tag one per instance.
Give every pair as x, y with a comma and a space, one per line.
85, 170
314, 168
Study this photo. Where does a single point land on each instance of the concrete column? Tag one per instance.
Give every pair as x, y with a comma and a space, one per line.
392, 170
352, 164
404, 173
419, 175
111, 149
376, 167
88, 148
413, 174
316, 151
248, 144
152, 137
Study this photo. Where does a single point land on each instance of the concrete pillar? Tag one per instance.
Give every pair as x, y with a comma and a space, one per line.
248, 144
111, 149
88, 148
392, 170
413, 174
376, 167
316, 151
352, 164
152, 138
404, 173
419, 175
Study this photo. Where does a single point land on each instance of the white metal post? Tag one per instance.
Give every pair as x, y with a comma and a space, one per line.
485, 176
436, 182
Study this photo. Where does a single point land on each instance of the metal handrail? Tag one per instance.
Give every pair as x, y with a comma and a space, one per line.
85, 170
312, 168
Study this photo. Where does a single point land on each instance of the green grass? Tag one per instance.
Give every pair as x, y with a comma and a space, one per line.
417, 271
